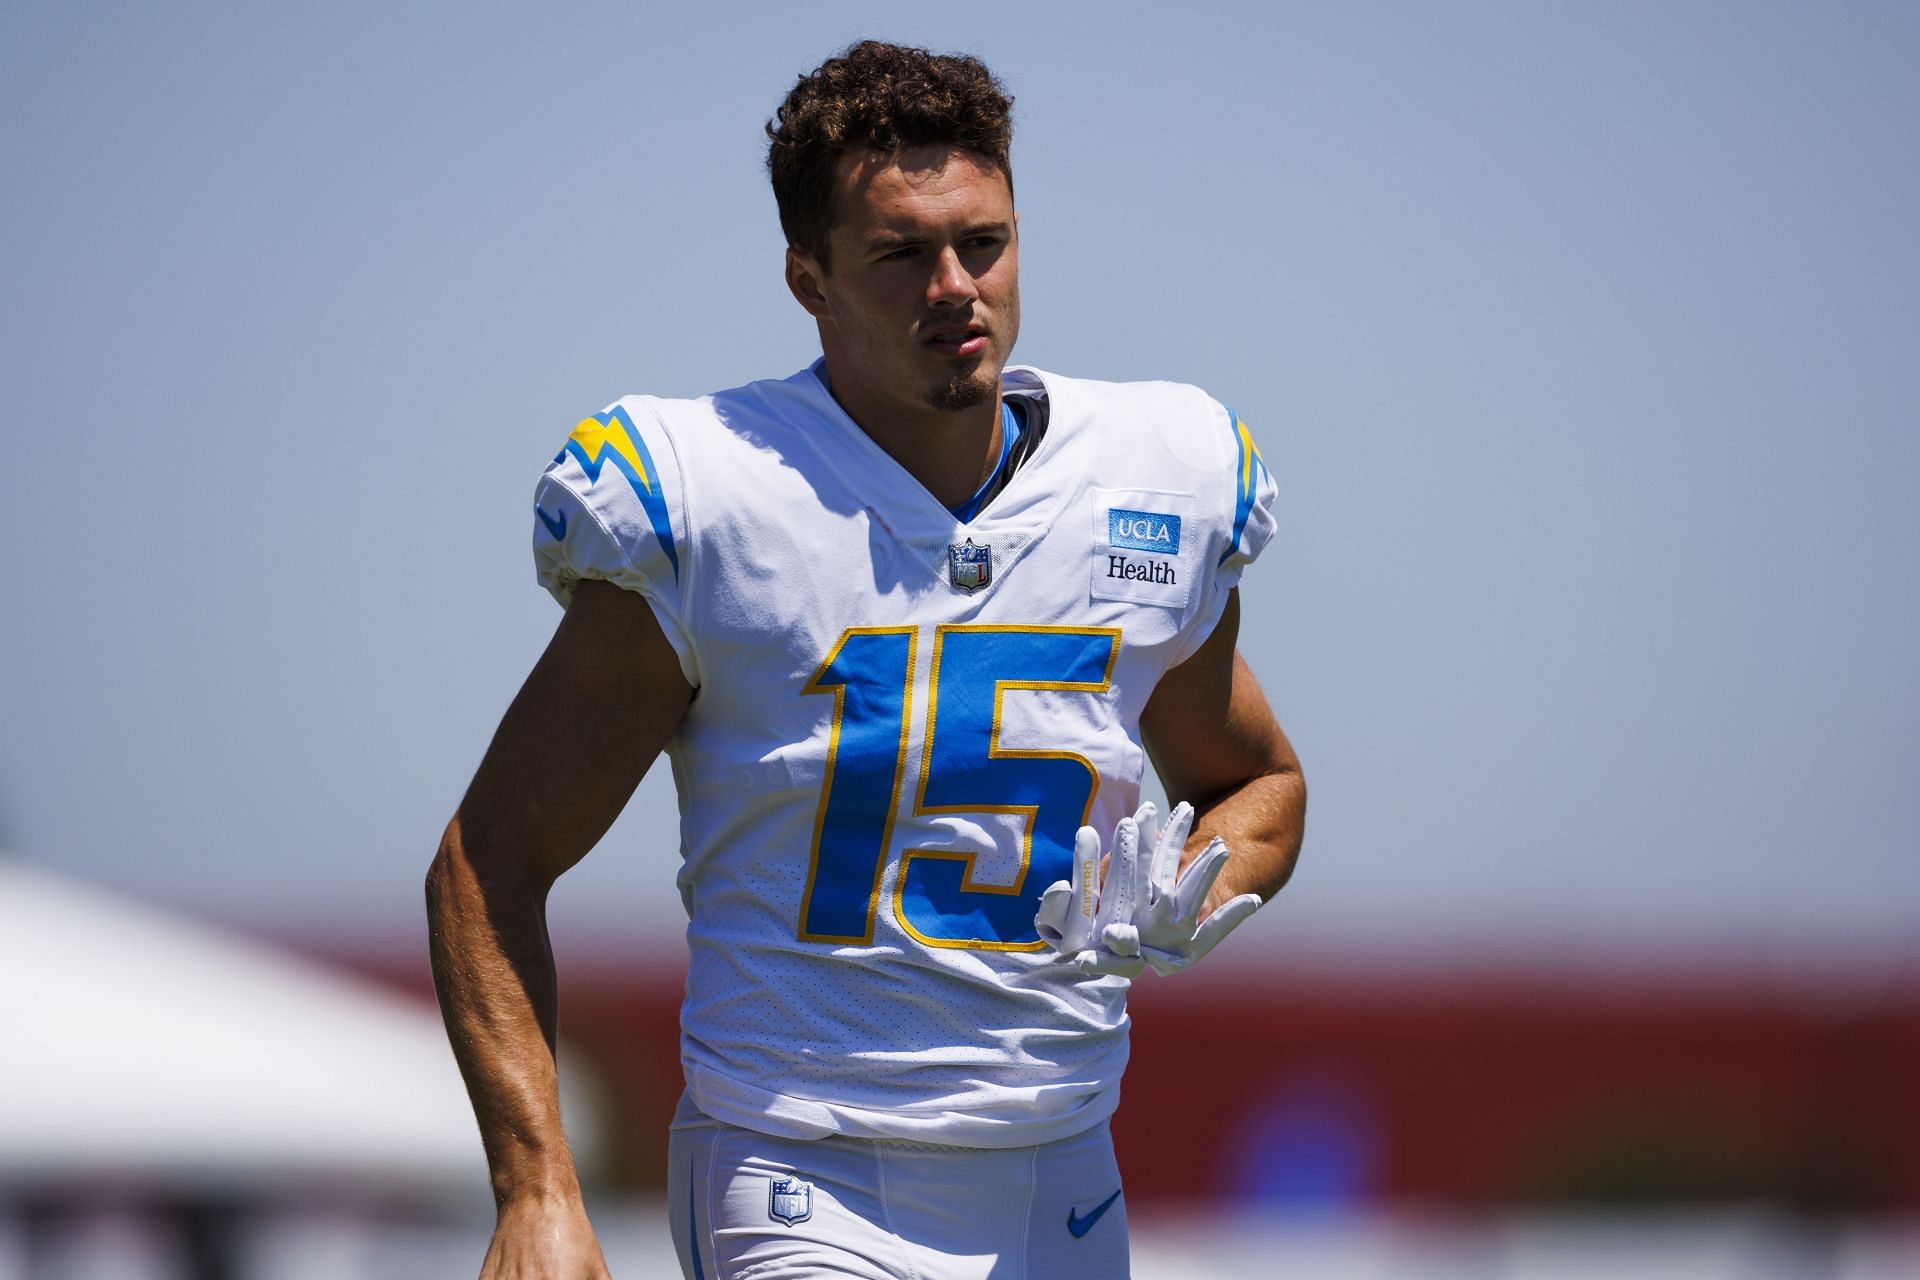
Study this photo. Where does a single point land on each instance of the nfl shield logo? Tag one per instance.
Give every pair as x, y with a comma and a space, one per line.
790, 1200
969, 567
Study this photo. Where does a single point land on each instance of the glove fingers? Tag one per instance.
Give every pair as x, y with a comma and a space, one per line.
1123, 873
1180, 824
1222, 922
1077, 933
1165, 963
1167, 850
1106, 963
1147, 819
1051, 919
1197, 881
1121, 939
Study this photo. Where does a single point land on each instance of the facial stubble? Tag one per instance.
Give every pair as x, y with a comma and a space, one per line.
963, 391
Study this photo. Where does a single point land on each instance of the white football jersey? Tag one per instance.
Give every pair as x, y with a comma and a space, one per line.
901, 723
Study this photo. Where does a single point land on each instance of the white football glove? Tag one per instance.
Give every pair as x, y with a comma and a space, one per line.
1139, 919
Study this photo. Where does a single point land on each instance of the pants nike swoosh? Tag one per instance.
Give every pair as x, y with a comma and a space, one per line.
1080, 1226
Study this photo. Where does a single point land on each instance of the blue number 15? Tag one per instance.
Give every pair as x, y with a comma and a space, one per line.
963, 769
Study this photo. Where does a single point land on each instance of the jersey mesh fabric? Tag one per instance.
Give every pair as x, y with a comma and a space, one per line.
812, 586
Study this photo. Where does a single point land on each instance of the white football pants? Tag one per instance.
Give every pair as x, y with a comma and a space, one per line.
746, 1206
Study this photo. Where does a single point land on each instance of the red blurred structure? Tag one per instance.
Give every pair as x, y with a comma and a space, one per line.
1477, 1091
1482, 1091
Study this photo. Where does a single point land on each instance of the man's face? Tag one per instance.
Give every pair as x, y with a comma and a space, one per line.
922, 303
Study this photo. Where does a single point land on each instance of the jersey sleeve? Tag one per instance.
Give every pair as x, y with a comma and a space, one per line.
1253, 495
1244, 497
611, 505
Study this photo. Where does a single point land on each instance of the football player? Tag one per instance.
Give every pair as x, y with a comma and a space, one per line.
908, 624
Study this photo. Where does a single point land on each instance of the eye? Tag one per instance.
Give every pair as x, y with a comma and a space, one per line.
899, 255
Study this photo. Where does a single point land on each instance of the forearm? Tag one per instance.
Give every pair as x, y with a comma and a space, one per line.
493, 972
1216, 744
1262, 821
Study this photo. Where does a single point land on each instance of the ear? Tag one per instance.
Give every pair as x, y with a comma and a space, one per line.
804, 276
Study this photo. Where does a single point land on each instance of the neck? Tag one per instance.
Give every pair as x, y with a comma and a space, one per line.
949, 452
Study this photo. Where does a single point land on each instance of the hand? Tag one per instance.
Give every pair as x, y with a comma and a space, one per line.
544, 1241
1074, 918
1139, 920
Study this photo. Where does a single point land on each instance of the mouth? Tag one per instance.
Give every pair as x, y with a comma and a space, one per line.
958, 340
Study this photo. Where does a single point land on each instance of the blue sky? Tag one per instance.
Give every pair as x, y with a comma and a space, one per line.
1583, 342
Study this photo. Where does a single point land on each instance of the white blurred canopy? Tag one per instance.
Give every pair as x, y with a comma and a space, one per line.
141, 1045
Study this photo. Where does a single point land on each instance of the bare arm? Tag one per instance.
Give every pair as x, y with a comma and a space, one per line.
1216, 744
600, 704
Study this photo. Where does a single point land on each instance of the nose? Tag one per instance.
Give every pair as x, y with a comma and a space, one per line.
951, 284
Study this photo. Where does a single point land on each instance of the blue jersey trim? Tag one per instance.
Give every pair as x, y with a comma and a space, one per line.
1248, 470
1012, 425
693, 1234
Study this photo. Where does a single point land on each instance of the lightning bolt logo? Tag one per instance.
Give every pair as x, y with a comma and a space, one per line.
610, 437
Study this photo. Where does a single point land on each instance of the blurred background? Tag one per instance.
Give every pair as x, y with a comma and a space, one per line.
1583, 343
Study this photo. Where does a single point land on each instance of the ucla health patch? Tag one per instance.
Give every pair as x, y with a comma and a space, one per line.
1138, 552
1143, 530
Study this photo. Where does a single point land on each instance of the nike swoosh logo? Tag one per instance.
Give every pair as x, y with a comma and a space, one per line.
1080, 1226
558, 528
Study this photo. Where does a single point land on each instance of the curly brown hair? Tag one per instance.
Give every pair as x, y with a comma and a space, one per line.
882, 97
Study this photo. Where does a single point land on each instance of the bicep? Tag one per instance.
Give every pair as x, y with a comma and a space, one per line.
601, 703
1207, 726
